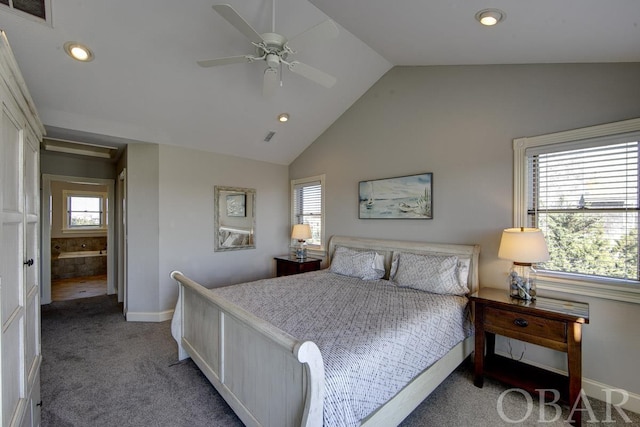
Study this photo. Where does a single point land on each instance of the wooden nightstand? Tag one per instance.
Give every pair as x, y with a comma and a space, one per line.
286, 266
551, 323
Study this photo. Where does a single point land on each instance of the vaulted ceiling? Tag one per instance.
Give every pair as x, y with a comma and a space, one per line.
144, 83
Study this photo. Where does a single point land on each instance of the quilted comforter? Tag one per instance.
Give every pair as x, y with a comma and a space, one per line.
374, 337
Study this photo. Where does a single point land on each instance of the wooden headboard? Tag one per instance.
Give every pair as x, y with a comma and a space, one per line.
388, 247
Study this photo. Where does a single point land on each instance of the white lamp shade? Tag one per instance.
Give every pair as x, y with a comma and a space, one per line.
524, 245
301, 232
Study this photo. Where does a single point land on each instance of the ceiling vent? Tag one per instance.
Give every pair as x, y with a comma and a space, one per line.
35, 10
269, 136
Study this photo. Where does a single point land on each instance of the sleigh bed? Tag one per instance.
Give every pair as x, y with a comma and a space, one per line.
331, 348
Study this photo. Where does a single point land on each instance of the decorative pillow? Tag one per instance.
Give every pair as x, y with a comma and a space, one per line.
362, 264
437, 274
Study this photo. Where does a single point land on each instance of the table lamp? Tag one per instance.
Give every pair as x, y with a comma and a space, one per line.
301, 232
523, 246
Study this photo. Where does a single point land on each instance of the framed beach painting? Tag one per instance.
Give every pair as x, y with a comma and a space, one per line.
403, 197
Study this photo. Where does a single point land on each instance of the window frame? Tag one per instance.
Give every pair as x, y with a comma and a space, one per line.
318, 250
599, 287
67, 227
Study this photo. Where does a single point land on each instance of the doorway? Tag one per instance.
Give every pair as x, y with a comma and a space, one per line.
77, 261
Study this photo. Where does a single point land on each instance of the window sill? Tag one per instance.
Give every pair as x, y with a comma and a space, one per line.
84, 231
605, 289
317, 253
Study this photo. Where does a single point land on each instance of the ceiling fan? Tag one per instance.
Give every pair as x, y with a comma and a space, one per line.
274, 49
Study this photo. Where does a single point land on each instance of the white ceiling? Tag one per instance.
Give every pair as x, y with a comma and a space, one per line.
145, 85
444, 32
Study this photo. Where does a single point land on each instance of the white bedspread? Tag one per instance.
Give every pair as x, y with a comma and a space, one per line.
374, 336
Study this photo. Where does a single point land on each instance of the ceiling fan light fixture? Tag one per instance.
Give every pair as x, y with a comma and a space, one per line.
78, 51
284, 117
490, 17
274, 49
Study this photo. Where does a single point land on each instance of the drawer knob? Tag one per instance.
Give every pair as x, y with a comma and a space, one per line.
521, 322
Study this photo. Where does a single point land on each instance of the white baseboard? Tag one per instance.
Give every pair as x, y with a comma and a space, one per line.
594, 388
162, 316
597, 389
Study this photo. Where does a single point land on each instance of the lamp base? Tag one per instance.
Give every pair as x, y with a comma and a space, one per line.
522, 282
301, 251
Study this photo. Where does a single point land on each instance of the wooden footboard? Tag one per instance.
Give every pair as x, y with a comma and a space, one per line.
265, 375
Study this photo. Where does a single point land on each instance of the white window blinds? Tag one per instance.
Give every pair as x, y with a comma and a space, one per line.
307, 208
584, 197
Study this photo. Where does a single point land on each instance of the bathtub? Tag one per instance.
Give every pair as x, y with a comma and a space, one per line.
81, 254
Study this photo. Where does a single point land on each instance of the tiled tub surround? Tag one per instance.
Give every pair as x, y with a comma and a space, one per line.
69, 257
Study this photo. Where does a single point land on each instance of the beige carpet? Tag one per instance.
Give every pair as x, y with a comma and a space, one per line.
99, 370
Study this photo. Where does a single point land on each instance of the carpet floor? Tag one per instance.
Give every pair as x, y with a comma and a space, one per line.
99, 370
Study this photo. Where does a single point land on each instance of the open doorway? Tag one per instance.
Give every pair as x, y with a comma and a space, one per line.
77, 237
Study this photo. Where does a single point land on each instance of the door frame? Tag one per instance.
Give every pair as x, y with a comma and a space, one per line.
121, 215
45, 244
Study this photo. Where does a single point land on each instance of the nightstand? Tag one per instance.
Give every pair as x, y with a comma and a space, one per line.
547, 322
286, 266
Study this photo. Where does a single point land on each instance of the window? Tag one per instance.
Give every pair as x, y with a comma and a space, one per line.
581, 189
307, 207
85, 210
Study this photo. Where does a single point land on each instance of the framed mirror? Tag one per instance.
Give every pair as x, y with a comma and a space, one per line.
234, 218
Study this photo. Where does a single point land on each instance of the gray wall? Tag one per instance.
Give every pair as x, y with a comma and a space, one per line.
170, 222
143, 173
186, 218
459, 122
71, 165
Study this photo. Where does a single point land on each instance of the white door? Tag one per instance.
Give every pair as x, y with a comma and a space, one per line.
12, 271
31, 264
20, 355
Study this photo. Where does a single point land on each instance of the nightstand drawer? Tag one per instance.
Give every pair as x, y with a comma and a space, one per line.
525, 324
286, 266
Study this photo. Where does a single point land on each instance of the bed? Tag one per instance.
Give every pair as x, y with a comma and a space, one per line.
270, 377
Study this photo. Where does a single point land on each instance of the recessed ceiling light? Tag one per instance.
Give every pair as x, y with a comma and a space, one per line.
490, 17
283, 117
78, 51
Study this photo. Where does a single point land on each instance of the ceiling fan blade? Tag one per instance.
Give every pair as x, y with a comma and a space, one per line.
312, 74
224, 61
323, 31
270, 82
233, 18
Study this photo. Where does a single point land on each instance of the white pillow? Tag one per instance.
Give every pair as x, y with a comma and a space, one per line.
366, 265
378, 265
438, 274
